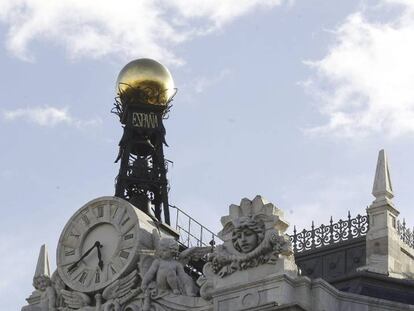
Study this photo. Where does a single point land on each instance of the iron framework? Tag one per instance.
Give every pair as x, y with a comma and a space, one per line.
142, 178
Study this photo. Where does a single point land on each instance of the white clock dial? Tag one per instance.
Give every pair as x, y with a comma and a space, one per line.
98, 244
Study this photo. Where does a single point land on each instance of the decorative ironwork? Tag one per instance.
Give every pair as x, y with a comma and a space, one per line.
192, 233
143, 168
141, 96
343, 230
406, 235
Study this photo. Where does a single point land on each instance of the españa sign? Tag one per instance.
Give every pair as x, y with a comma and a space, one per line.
145, 120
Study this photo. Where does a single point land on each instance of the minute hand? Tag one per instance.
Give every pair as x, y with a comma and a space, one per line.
73, 266
100, 262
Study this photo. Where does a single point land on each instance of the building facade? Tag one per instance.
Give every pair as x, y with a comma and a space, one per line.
361, 263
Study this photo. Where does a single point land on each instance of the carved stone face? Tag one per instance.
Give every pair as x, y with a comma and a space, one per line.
168, 248
245, 240
247, 234
41, 282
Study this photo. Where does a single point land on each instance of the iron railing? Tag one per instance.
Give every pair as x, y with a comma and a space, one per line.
343, 230
192, 233
406, 235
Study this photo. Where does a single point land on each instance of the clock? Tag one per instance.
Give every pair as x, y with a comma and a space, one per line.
100, 243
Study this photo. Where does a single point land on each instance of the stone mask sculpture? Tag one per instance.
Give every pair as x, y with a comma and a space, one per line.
253, 235
247, 234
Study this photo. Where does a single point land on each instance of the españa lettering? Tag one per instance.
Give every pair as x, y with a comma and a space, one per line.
145, 120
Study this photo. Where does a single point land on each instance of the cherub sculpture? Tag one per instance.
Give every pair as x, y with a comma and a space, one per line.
163, 274
43, 284
167, 272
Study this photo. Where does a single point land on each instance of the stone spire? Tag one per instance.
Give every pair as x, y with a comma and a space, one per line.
42, 267
382, 190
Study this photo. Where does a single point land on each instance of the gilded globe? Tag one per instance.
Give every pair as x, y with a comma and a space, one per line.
145, 81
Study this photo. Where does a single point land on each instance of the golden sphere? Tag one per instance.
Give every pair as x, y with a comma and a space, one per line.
146, 81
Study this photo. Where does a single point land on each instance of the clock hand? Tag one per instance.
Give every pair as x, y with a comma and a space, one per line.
74, 265
100, 262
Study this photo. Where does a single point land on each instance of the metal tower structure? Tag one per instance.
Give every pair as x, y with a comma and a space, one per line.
145, 89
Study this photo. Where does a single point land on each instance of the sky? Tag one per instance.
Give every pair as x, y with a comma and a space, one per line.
291, 100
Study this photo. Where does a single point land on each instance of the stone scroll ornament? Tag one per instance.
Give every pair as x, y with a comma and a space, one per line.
253, 235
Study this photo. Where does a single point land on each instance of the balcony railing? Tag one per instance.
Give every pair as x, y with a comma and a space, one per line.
324, 235
406, 235
192, 233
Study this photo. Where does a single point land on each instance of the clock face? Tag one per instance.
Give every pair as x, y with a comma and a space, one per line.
98, 244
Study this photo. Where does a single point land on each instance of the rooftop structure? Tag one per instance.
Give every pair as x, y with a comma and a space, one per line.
126, 252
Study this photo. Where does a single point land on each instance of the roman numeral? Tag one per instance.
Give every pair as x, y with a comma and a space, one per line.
97, 277
125, 221
74, 235
100, 211
124, 254
128, 236
86, 220
116, 210
83, 277
70, 253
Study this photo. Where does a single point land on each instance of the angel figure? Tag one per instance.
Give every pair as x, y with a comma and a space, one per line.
167, 272
43, 284
58, 285
164, 273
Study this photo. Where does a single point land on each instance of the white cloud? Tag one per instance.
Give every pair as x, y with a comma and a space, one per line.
364, 85
48, 116
200, 84
219, 12
128, 28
